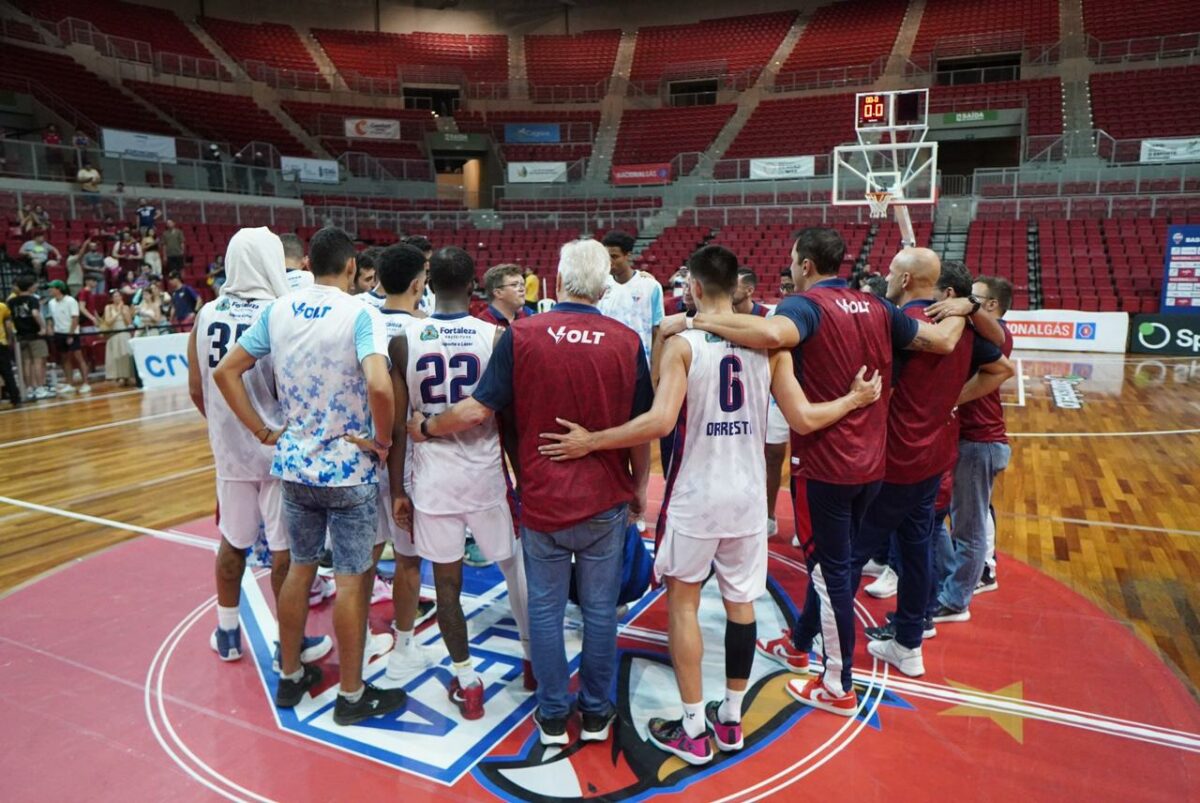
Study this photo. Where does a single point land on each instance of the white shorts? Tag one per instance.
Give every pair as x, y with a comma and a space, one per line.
402, 540
778, 430
243, 504
443, 538
740, 563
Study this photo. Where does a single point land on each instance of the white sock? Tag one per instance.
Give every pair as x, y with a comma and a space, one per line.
404, 638
731, 708
465, 672
227, 618
693, 719
353, 697
297, 675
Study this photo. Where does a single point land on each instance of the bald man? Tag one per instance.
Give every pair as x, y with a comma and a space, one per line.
922, 444
833, 331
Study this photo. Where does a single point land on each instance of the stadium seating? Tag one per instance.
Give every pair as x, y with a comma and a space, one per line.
1135, 251
887, 243
79, 89
671, 249
1000, 248
1075, 271
843, 34
734, 44
478, 57
488, 247
1147, 103
275, 45
795, 127
236, 119
1036, 22
767, 249
1042, 99
577, 130
563, 60
658, 135
1110, 20
159, 27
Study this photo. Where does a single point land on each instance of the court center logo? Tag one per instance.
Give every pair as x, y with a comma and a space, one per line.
1153, 335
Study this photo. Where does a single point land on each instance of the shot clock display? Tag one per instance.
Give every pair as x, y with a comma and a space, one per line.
892, 109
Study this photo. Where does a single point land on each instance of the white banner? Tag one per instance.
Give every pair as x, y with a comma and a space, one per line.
309, 171
133, 145
161, 361
536, 172
1068, 330
1171, 150
783, 167
371, 128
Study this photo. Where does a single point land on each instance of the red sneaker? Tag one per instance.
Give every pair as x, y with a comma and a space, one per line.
784, 653
814, 693
468, 700
530, 680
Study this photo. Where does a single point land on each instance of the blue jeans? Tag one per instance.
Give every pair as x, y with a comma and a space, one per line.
978, 465
597, 546
349, 513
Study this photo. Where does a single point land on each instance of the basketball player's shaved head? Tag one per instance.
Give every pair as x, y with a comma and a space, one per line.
914, 272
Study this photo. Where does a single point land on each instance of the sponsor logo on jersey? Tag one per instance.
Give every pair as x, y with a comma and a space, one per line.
429, 333
585, 336
302, 310
853, 307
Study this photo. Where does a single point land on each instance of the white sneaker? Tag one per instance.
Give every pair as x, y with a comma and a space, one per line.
42, 394
873, 568
772, 527
641, 525
885, 585
32, 393
796, 541
85, 388
381, 591
66, 389
909, 662
405, 662
322, 589
377, 644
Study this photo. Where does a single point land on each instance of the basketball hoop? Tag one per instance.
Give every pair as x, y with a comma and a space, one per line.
878, 201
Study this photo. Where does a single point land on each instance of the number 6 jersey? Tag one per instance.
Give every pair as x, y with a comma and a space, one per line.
460, 473
237, 453
717, 481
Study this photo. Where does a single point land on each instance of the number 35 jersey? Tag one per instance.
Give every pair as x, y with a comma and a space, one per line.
237, 453
718, 478
461, 473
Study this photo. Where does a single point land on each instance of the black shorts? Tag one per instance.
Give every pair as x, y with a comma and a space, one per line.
67, 342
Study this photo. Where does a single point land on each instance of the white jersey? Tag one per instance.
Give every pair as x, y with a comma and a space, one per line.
447, 355
298, 279
638, 304
372, 298
237, 453
394, 324
718, 483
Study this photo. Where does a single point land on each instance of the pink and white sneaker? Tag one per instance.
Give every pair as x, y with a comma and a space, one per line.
322, 589
381, 591
669, 735
727, 734
783, 652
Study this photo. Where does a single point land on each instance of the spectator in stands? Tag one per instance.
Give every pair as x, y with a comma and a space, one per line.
533, 287
147, 215
37, 253
91, 302
149, 306
787, 285
35, 219
743, 294
119, 189
83, 145
7, 334
92, 258
27, 220
504, 288
88, 178
26, 309
127, 251
74, 269
682, 302
216, 173
184, 303
216, 273
118, 357
174, 246
295, 263
64, 321
151, 258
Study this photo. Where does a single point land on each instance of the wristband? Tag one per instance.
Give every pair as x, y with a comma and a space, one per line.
689, 323
975, 304
258, 434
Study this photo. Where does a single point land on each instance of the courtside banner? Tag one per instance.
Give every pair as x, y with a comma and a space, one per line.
135, 145
536, 172
1169, 335
371, 128
783, 167
1171, 150
642, 174
161, 361
1068, 330
1181, 271
309, 171
532, 132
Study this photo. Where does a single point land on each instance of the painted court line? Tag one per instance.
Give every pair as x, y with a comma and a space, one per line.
174, 537
96, 428
33, 406
1101, 434
1100, 523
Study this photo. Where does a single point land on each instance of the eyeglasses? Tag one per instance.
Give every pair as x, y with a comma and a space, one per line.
512, 286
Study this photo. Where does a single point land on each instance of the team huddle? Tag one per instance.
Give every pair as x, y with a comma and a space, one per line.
347, 423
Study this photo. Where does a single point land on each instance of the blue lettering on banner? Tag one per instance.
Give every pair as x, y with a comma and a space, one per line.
160, 367
532, 132
1085, 331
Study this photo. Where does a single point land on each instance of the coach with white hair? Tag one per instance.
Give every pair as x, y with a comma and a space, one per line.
569, 362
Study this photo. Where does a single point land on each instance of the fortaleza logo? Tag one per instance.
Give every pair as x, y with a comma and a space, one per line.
1053, 330
429, 333
585, 336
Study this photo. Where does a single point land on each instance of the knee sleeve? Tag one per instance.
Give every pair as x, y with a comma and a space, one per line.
739, 649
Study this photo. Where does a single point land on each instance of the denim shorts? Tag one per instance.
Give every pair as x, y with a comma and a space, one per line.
348, 513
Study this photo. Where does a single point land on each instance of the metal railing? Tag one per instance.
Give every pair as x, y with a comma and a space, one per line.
281, 78
1152, 48
334, 125
568, 93
1086, 180
819, 78
12, 28
978, 75
739, 169
364, 165
43, 95
1092, 207
78, 31
717, 216
199, 210
191, 67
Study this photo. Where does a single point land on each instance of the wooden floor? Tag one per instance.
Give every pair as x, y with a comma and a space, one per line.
1105, 499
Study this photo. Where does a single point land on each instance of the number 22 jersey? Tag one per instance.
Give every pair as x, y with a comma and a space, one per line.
459, 473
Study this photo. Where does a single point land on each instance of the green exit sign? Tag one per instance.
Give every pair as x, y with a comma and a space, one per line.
954, 118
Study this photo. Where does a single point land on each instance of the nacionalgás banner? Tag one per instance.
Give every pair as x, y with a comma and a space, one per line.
309, 171
532, 132
371, 128
161, 361
783, 167
537, 172
659, 173
135, 145
1068, 330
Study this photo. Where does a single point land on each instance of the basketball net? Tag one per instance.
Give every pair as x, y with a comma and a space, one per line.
878, 201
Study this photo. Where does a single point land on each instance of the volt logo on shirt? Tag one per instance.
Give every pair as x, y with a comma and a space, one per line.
574, 335
302, 310
853, 307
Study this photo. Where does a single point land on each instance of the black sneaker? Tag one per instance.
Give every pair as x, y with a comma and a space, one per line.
595, 727
291, 692
987, 582
426, 608
550, 731
887, 632
946, 614
373, 703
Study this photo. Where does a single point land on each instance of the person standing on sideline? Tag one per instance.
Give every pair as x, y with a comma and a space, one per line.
710, 521
184, 302
505, 291
571, 362
533, 289
31, 328
330, 367
7, 372
64, 320
174, 246
246, 492
295, 262
833, 331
